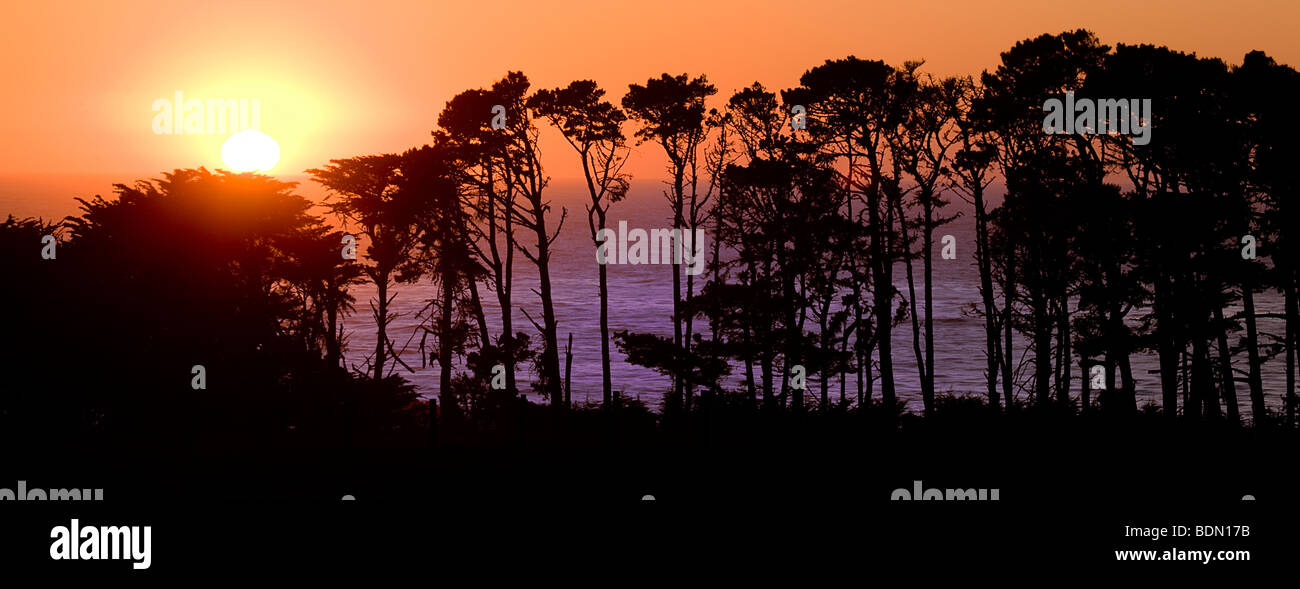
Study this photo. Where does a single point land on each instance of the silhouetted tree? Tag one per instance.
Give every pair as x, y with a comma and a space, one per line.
429, 173
530, 181
195, 268
488, 171
923, 144
972, 174
853, 106
364, 192
1041, 176
671, 112
1265, 86
593, 127
322, 277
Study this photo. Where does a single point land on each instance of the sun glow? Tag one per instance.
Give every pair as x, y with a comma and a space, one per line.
250, 151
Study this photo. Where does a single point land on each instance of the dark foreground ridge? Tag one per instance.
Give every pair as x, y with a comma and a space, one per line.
181, 345
1066, 490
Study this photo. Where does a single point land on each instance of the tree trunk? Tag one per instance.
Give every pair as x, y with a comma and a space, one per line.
551, 352
882, 272
1117, 353
884, 325
381, 284
750, 385
765, 365
1258, 410
678, 221
928, 260
688, 389
863, 356
1063, 353
1126, 380
568, 372
480, 319
1202, 379
1225, 370
1008, 352
1085, 388
597, 228
844, 354
791, 336
927, 395
450, 406
826, 346
985, 262
1042, 345
1190, 409
1292, 318
333, 353
504, 282
1168, 348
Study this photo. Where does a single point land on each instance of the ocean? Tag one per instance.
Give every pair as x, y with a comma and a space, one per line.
640, 300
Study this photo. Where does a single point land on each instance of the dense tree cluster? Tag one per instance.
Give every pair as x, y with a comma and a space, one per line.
824, 202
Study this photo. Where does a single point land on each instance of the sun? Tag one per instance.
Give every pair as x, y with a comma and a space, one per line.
250, 151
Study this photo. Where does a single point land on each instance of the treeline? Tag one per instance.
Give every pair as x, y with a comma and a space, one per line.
1105, 245
196, 311
815, 198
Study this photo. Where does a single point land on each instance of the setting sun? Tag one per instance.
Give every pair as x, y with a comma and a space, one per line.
250, 151
879, 286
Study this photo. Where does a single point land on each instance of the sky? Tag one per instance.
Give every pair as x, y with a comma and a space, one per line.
339, 79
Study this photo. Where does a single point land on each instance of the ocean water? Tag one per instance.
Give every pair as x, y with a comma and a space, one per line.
640, 300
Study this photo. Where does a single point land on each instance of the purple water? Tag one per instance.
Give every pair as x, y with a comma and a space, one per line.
640, 299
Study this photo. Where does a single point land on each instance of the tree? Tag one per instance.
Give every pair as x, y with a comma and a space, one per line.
208, 269
593, 127
1041, 173
923, 145
530, 181
484, 158
1272, 121
365, 192
853, 107
1191, 210
503, 168
971, 176
671, 112
429, 172
322, 277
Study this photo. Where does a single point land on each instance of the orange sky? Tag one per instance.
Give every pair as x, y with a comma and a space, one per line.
337, 79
